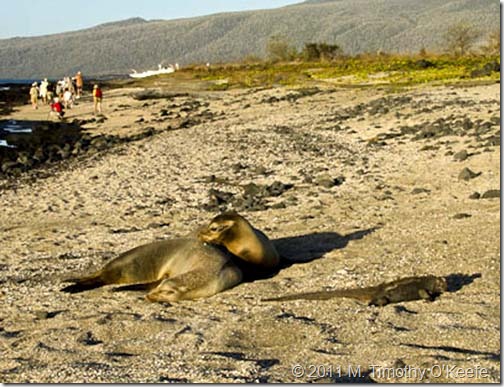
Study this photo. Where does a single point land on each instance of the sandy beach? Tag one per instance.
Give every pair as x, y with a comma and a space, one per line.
356, 187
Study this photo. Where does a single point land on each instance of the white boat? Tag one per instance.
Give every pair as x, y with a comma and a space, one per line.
149, 73
17, 130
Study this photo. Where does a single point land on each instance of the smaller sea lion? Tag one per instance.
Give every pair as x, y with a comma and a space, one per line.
405, 289
241, 239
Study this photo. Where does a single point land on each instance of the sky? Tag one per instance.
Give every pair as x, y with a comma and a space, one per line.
22, 18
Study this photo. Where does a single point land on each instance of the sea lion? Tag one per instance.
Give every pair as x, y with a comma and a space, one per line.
187, 268
241, 239
405, 289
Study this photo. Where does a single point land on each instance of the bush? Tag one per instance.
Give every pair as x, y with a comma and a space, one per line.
279, 49
492, 46
321, 51
460, 38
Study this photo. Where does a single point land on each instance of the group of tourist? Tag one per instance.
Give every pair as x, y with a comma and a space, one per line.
62, 94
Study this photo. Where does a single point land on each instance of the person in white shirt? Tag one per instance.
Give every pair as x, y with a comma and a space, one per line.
43, 91
68, 99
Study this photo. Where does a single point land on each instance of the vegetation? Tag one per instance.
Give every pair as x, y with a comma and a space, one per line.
321, 51
347, 71
460, 38
492, 46
278, 49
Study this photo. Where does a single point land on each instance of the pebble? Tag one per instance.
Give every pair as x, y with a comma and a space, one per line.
328, 182
491, 193
461, 216
461, 156
417, 191
467, 174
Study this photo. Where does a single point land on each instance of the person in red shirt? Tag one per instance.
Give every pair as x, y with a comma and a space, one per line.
57, 107
97, 99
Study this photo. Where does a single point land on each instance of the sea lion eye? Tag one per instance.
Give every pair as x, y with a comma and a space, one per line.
213, 228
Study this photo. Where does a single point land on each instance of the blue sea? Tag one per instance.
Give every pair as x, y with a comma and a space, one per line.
18, 81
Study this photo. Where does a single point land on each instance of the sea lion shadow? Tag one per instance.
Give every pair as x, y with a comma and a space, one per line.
306, 248
302, 249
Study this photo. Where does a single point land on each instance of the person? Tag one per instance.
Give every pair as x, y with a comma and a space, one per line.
68, 99
80, 84
50, 92
97, 99
59, 89
57, 108
43, 91
34, 93
67, 84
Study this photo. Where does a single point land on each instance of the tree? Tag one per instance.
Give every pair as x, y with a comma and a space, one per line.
329, 51
321, 51
310, 52
279, 49
460, 38
492, 46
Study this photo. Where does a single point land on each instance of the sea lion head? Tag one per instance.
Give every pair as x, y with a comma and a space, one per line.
220, 228
440, 285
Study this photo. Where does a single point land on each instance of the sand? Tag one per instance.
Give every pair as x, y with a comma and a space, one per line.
363, 202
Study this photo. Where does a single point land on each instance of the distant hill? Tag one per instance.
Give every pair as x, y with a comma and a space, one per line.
355, 25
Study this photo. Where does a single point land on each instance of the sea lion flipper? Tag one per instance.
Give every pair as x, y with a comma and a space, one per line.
83, 284
138, 287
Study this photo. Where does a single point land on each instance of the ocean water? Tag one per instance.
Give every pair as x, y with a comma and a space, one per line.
5, 84
18, 81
